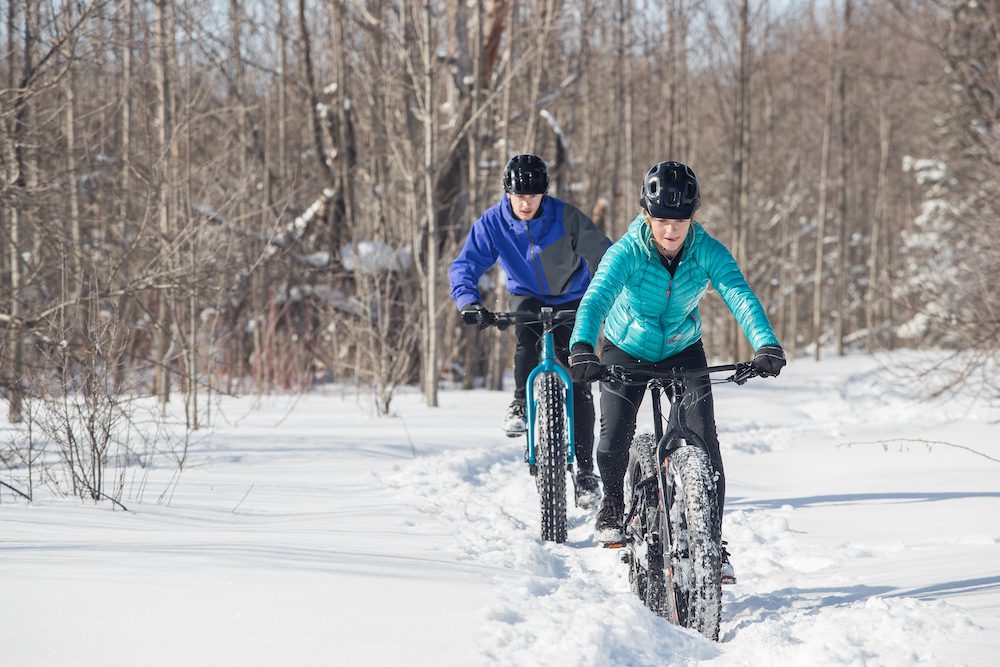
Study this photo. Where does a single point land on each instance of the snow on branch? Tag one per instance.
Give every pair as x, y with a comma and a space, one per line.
375, 257
297, 228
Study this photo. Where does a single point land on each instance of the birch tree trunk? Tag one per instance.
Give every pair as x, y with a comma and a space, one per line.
498, 355
471, 351
670, 95
17, 178
9, 230
75, 248
162, 335
741, 166
125, 38
843, 252
824, 178
282, 93
549, 15
877, 223
128, 37
618, 109
430, 322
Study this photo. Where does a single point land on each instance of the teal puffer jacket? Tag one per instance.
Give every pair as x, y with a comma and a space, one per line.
651, 315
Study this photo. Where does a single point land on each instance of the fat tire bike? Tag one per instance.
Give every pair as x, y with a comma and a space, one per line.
672, 527
550, 451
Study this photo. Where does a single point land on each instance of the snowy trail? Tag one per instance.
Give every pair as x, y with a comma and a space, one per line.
570, 604
320, 535
836, 576
555, 604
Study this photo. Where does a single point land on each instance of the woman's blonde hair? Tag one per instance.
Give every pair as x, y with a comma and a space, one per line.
648, 231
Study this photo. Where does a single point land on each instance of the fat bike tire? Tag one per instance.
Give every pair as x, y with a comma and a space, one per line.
647, 575
550, 455
694, 559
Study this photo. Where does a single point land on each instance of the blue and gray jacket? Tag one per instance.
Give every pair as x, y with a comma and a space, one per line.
652, 315
551, 257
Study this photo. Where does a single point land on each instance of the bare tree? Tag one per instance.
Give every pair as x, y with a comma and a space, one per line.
740, 193
824, 180
212, 204
846, 173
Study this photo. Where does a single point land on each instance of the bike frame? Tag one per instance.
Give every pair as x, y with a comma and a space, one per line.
548, 364
686, 596
669, 440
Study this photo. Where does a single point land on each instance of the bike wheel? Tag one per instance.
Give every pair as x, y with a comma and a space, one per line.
550, 455
646, 571
695, 555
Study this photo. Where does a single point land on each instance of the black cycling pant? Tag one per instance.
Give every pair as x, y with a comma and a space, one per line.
526, 356
620, 405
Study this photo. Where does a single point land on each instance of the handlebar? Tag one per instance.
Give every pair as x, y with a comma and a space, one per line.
502, 320
744, 370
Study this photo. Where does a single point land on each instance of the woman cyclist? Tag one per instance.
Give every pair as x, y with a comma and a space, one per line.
646, 293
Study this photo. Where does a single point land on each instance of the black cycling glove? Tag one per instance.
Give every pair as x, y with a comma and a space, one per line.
768, 360
584, 366
476, 314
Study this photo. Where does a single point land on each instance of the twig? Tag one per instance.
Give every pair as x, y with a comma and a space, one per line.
244, 497
291, 408
413, 447
17, 491
923, 442
107, 497
95, 493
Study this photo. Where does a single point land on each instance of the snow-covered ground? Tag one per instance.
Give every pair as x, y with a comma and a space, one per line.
306, 532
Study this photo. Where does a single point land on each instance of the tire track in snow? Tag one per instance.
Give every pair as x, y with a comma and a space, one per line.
570, 604
555, 604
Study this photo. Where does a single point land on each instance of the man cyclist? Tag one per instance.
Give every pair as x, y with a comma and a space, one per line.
549, 250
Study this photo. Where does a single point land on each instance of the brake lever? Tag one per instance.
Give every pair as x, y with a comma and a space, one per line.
615, 373
743, 373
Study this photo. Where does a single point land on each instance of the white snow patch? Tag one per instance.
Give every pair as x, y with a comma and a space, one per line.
303, 528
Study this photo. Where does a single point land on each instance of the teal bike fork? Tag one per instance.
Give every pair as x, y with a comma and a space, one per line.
548, 364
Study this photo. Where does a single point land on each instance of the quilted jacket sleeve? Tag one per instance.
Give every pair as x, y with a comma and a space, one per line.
728, 281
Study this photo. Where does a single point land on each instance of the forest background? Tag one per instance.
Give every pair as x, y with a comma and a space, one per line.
203, 196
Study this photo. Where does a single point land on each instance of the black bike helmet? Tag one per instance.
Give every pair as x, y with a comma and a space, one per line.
525, 175
670, 191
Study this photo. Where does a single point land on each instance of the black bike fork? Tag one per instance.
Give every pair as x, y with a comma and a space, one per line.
667, 443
